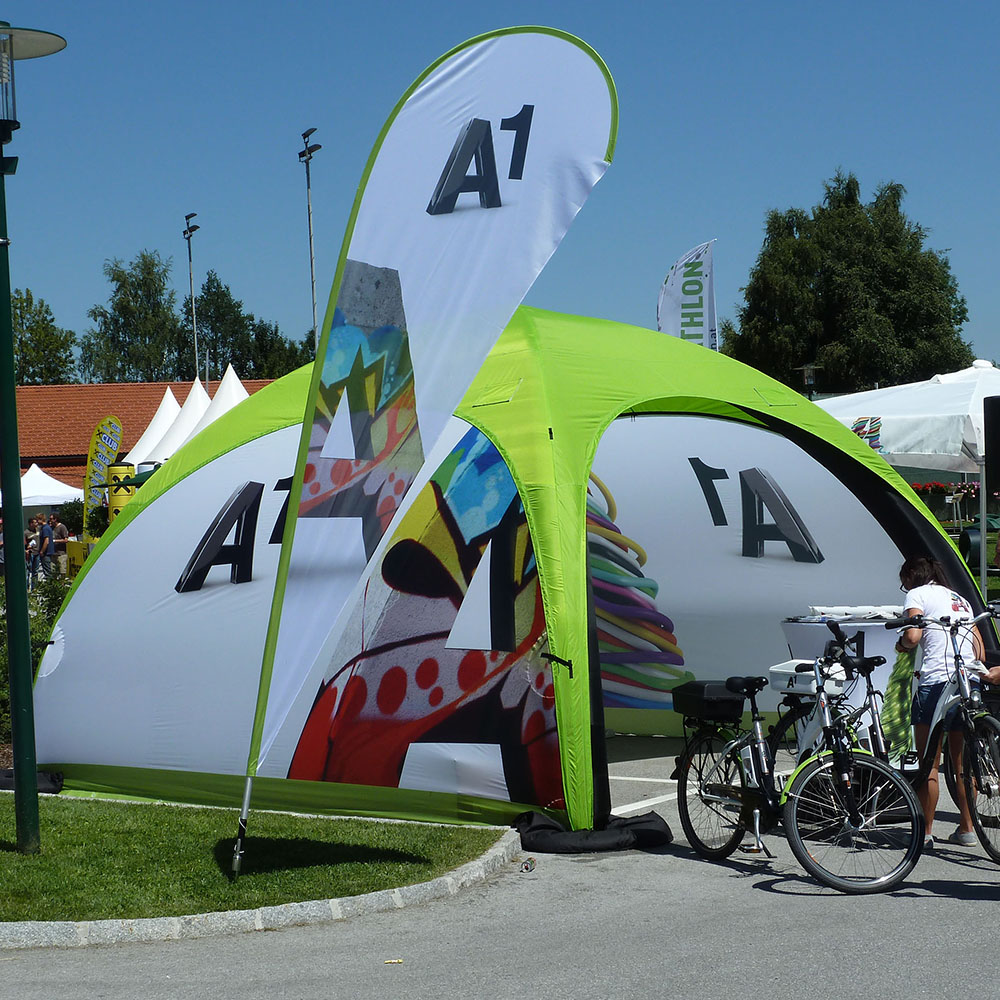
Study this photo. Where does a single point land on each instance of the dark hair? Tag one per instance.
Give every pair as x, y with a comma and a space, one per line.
920, 570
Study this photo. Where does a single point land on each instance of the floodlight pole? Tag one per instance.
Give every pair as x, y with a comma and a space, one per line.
189, 231
16, 43
306, 155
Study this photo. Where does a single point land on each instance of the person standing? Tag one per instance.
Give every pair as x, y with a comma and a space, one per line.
59, 535
45, 548
31, 551
923, 579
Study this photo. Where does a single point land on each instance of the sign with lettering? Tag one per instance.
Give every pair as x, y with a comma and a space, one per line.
686, 307
104, 445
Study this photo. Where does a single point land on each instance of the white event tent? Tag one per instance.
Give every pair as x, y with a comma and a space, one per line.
39, 489
191, 412
229, 393
166, 414
934, 424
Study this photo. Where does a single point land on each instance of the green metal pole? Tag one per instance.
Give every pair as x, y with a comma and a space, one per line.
22, 715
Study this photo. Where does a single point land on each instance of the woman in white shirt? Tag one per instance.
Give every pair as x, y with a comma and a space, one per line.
927, 593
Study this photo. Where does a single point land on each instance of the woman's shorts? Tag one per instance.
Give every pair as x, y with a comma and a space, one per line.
924, 703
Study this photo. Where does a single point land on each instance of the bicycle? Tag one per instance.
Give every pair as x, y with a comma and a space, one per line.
851, 821
799, 729
981, 753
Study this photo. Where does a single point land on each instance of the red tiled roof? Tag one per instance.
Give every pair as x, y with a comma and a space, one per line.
55, 422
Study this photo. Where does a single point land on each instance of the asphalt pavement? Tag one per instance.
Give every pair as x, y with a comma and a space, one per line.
660, 923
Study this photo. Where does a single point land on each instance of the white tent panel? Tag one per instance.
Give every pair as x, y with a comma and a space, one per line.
178, 691
194, 407
39, 489
228, 395
936, 424
166, 414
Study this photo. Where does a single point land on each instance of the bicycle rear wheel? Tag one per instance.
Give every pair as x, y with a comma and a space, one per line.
983, 793
783, 739
713, 828
874, 856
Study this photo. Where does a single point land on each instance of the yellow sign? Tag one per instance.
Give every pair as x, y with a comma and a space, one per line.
104, 445
76, 552
118, 494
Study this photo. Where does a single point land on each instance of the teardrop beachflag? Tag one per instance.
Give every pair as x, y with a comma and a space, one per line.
473, 182
686, 306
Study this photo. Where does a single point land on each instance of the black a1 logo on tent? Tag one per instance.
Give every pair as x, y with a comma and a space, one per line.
238, 518
475, 145
759, 492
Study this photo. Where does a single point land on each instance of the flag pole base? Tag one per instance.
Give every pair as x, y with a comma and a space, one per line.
242, 832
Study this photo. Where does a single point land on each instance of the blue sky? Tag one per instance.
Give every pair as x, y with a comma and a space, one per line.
727, 110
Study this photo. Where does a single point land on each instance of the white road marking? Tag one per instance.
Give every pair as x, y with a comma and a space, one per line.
654, 781
644, 804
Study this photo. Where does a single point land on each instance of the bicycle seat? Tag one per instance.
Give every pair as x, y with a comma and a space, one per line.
862, 665
746, 685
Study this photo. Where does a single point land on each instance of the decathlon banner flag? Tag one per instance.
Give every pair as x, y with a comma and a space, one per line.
472, 184
104, 445
686, 307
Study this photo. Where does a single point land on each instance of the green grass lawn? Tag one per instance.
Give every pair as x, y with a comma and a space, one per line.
105, 859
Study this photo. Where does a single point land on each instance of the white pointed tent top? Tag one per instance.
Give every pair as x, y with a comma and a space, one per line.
39, 489
935, 424
166, 414
195, 405
229, 393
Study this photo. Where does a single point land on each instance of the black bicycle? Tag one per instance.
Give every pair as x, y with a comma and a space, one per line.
790, 738
851, 821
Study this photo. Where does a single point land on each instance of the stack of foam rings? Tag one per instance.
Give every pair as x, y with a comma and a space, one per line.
640, 659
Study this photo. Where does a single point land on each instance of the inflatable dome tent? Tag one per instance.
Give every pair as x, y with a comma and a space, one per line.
607, 502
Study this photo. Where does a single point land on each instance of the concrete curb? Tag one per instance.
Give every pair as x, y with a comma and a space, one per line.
72, 934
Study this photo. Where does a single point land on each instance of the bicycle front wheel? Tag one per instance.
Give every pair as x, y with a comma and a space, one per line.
983, 792
873, 855
709, 796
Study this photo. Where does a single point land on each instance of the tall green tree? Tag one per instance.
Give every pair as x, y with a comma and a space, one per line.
851, 289
137, 336
43, 353
230, 335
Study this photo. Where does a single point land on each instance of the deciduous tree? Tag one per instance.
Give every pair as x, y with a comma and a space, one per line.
254, 347
138, 336
852, 289
43, 353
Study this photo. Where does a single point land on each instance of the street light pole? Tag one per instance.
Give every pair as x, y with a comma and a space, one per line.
189, 231
305, 156
16, 43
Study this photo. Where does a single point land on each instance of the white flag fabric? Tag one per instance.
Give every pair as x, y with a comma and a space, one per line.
686, 307
475, 179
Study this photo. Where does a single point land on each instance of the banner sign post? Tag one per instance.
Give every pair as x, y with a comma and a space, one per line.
686, 307
104, 446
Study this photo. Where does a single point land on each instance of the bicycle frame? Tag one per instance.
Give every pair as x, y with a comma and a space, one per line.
757, 797
835, 743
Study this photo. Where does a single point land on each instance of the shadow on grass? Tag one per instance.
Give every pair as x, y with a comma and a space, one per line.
263, 855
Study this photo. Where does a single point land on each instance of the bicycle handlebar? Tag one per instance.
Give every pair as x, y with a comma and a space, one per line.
947, 623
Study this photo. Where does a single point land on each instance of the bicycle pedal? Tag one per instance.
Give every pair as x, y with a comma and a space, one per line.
754, 849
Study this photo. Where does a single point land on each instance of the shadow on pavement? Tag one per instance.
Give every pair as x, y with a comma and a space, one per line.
626, 748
